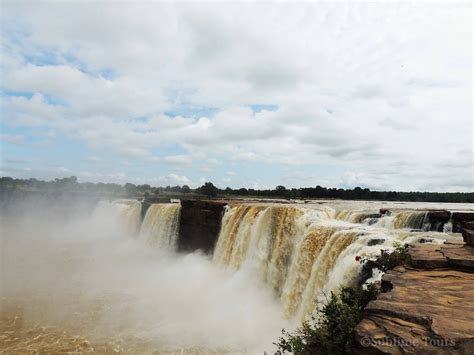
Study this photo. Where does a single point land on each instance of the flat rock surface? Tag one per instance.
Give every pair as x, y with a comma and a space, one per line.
453, 255
429, 308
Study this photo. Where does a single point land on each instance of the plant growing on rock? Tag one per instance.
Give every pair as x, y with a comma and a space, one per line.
331, 330
387, 259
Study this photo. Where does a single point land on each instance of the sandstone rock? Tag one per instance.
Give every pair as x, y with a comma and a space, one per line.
427, 256
450, 255
426, 311
459, 257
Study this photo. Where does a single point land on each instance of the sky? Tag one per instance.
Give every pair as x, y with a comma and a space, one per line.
249, 94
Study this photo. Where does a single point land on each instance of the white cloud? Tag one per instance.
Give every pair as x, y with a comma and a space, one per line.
381, 91
174, 179
178, 160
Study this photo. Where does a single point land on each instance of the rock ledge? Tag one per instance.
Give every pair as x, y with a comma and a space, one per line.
429, 307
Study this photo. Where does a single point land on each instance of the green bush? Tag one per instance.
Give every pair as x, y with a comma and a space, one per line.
331, 331
387, 260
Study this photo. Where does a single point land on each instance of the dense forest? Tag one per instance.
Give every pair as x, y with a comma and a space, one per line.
9, 186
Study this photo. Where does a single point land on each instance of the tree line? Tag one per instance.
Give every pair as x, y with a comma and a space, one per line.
208, 189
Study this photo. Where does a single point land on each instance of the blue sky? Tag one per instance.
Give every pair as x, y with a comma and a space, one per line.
375, 95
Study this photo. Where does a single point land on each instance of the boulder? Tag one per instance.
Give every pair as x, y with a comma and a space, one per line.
384, 211
375, 241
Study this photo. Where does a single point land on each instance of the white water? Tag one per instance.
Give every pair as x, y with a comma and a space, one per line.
303, 254
160, 226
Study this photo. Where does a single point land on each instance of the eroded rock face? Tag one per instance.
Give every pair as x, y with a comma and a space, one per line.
428, 306
468, 235
199, 225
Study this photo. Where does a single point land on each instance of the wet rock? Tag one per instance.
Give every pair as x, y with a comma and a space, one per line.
364, 275
199, 225
439, 215
463, 216
468, 225
384, 211
468, 236
425, 240
375, 241
145, 207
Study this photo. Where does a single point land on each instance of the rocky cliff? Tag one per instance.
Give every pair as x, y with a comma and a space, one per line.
199, 225
427, 306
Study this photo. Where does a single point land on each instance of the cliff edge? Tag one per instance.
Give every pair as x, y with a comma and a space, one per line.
427, 306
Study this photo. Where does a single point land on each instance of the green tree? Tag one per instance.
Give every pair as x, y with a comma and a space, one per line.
209, 189
281, 191
131, 189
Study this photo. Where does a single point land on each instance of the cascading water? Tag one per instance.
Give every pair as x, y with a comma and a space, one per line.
410, 219
306, 253
448, 227
160, 225
127, 214
303, 254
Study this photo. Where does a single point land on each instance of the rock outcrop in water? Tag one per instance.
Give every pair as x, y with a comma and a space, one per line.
199, 225
428, 306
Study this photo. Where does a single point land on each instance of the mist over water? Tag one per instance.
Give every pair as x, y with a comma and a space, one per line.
87, 274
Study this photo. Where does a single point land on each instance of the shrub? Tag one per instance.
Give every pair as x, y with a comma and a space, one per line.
387, 260
331, 330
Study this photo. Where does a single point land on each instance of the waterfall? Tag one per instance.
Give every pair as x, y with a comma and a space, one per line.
160, 225
127, 213
303, 254
448, 226
284, 245
410, 219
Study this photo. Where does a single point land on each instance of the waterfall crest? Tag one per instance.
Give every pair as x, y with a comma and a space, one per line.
160, 225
